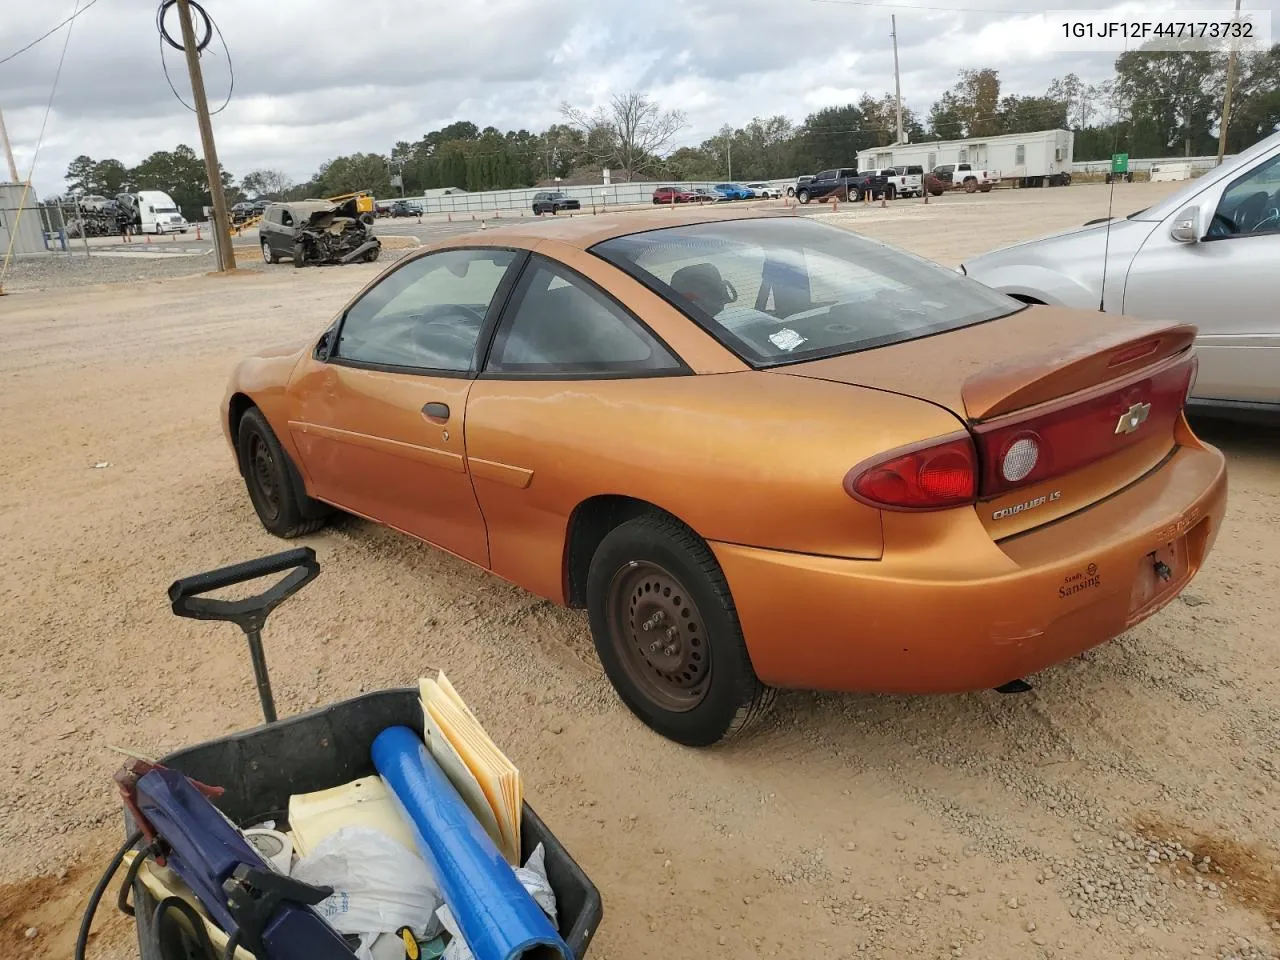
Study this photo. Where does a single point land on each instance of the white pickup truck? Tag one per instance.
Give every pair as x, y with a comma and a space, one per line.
965, 175
903, 181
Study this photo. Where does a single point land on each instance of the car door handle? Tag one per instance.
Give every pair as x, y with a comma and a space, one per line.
436, 411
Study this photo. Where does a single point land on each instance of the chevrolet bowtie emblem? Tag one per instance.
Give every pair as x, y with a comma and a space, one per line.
1133, 418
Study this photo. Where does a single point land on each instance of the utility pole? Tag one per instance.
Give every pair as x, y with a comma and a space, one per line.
897, 82
8, 152
222, 233
728, 149
1232, 57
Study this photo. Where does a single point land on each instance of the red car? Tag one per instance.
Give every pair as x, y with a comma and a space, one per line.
674, 195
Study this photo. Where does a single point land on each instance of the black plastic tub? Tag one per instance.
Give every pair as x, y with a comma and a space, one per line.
261, 768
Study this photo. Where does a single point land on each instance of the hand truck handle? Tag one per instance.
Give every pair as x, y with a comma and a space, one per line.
250, 612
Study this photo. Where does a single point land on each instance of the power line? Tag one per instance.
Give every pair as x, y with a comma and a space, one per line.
45, 36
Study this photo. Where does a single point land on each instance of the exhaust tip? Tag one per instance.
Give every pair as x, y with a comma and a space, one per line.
1015, 686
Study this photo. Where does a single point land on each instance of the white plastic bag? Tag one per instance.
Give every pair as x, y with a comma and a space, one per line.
532, 876
378, 885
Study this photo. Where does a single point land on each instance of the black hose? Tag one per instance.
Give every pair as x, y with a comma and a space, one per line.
201, 42
86, 921
122, 899
196, 921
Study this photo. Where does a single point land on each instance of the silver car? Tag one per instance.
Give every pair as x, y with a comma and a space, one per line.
1208, 255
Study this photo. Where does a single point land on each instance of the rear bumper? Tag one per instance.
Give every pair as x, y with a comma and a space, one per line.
958, 612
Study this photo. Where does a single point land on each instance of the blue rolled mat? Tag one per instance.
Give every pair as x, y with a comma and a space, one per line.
498, 918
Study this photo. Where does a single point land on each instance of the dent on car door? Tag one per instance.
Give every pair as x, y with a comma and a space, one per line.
379, 421
569, 366
1222, 280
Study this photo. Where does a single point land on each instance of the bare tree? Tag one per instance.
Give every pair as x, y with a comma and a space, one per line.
630, 133
266, 183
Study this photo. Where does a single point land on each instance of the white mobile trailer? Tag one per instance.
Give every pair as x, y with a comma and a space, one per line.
1027, 159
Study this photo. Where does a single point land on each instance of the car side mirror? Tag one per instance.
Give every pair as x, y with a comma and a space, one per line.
1186, 226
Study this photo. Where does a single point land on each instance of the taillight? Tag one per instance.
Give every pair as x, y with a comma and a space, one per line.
931, 476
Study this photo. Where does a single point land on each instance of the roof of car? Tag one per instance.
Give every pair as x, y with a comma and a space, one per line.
587, 230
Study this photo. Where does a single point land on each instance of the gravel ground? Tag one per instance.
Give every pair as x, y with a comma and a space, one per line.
1125, 808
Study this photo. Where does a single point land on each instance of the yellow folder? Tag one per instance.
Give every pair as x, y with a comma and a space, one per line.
361, 803
498, 779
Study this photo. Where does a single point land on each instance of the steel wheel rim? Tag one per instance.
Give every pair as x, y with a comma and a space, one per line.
659, 636
261, 469
266, 252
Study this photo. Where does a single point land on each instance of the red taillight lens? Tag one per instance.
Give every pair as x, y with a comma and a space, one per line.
922, 477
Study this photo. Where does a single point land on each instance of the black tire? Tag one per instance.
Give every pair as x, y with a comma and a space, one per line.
367, 218
891, 192
710, 691
268, 254
266, 470
372, 255
803, 196
299, 255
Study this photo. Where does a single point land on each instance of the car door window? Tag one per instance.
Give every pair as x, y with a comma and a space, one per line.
426, 315
561, 323
286, 218
1250, 205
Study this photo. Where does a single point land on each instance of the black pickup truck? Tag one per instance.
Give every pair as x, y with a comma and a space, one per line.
843, 183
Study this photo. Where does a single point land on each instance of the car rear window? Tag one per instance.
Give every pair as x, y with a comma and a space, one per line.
783, 289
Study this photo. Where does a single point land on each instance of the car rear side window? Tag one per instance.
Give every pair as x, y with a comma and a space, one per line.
559, 323
427, 315
782, 289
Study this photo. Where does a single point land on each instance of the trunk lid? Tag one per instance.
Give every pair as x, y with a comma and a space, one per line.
1091, 400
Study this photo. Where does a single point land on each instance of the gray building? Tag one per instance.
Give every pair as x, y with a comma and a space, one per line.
29, 225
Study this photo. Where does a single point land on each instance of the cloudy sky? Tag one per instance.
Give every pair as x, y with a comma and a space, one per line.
318, 78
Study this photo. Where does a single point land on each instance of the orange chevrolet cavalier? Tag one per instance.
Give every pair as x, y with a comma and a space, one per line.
761, 451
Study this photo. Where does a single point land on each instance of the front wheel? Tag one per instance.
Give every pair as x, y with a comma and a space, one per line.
268, 255
803, 196
666, 630
299, 255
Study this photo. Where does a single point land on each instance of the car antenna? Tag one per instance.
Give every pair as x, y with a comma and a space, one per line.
1106, 243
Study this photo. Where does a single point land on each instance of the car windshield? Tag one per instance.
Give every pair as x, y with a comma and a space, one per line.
783, 289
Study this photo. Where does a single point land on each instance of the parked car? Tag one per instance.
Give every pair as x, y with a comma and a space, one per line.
966, 176
764, 191
673, 195
406, 208
980, 488
242, 211
899, 184
844, 183
317, 232
800, 181
1205, 255
706, 195
553, 201
912, 175
733, 191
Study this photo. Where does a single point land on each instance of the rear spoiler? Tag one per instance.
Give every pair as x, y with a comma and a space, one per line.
1056, 371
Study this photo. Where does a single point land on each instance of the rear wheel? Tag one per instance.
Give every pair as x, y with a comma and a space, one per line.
891, 192
299, 255
372, 255
666, 630
265, 466
970, 185
985, 188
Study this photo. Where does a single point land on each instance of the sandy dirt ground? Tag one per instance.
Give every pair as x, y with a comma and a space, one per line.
1073, 821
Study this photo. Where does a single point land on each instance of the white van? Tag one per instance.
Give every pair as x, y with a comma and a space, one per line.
157, 213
